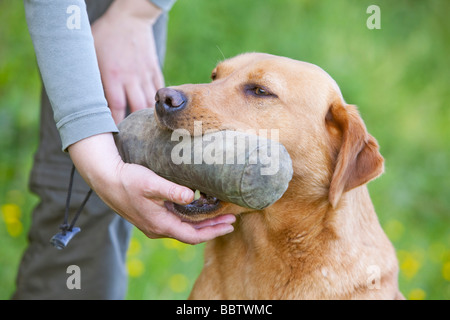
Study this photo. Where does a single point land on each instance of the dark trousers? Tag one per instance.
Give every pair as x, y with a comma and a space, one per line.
98, 252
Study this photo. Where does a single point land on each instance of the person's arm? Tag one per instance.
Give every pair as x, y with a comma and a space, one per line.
127, 57
68, 65
63, 43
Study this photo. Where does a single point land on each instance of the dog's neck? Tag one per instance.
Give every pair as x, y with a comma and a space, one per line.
310, 227
311, 219
308, 251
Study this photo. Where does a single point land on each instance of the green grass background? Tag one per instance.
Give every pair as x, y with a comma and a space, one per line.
398, 76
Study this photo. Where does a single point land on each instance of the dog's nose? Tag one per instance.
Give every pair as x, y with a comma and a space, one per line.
169, 100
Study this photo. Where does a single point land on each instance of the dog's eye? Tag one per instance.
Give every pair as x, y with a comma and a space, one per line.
261, 92
213, 75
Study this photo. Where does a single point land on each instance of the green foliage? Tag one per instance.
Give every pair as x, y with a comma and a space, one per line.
398, 76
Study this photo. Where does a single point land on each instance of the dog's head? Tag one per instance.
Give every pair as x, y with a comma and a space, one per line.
330, 147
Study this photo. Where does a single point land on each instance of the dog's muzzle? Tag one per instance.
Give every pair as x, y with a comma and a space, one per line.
169, 102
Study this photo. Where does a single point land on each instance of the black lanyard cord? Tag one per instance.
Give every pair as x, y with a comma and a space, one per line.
61, 239
65, 226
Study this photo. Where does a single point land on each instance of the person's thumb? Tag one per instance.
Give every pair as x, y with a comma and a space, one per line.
160, 188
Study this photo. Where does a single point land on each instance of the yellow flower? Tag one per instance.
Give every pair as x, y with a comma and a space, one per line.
135, 267
446, 271
134, 247
416, 294
178, 282
409, 263
11, 215
11, 212
185, 251
14, 229
174, 244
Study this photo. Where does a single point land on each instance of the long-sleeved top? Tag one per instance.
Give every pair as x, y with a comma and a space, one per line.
67, 62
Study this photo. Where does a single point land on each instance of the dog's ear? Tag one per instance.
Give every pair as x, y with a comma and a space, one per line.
358, 158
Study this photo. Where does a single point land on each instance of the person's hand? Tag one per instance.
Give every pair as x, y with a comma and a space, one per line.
137, 194
126, 55
131, 75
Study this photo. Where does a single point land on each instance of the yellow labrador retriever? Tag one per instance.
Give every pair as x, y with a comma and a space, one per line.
322, 239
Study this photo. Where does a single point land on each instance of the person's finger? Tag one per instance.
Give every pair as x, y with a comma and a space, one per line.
135, 96
226, 218
115, 96
157, 187
188, 234
158, 79
150, 93
153, 81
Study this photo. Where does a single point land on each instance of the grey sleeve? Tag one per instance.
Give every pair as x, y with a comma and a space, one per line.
65, 52
165, 5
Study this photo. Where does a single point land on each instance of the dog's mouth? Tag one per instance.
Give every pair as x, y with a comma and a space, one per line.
203, 207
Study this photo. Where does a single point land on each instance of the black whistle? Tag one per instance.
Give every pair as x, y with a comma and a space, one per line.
61, 239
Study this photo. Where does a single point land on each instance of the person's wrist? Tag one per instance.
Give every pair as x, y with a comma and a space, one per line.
96, 158
142, 9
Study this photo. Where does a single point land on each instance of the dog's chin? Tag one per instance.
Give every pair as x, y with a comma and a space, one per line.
206, 207
163, 124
